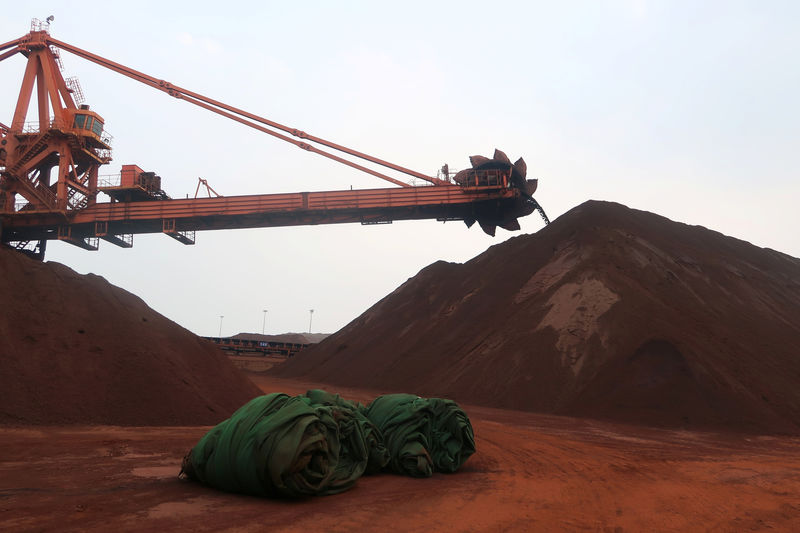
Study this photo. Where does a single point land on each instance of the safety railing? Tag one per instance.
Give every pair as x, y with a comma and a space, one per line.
59, 124
47, 194
482, 178
33, 125
188, 235
109, 180
57, 56
23, 206
40, 25
75, 89
446, 173
421, 183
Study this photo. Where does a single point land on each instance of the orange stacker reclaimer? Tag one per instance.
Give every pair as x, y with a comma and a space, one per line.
49, 181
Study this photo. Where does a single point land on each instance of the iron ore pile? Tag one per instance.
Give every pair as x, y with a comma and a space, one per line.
608, 312
75, 349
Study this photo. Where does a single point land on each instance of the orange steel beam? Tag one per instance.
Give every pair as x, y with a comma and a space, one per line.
449, 202
8, 54
15, 42
253, 121
304, 146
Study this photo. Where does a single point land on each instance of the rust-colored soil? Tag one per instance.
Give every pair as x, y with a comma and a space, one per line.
76, 349
608, 312
530, 473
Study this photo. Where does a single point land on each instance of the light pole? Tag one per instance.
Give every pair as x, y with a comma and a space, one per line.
220, 325
310, 318
264, 323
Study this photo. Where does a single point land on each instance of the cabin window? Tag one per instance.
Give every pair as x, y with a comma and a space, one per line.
97, 127
79, 121
88, 124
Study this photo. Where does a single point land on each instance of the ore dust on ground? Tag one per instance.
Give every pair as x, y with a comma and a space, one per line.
531, 472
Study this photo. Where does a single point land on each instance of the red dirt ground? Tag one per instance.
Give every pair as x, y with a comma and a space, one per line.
530, 473
608, 312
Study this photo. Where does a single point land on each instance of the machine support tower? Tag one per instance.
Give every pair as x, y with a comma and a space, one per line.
50, 163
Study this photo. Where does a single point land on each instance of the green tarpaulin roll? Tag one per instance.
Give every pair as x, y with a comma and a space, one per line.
452, 438
422, 435
405, 421
319, 443
276, 445
378, 455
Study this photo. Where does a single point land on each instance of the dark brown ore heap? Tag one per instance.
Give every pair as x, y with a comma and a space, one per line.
76, 349
609, 312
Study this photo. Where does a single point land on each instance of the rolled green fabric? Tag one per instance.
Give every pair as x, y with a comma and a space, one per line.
354, 428
422, 435
319, 443
275, 445
405, 422
452, 438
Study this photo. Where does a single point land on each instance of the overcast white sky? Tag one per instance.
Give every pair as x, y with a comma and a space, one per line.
686, 109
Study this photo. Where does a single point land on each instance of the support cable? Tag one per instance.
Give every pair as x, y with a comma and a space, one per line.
231, 112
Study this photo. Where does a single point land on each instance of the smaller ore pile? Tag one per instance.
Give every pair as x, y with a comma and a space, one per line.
319, 443
75, 349
608, 312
